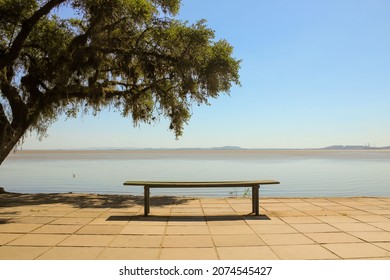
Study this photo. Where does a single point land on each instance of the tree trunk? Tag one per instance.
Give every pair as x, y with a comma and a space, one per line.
9, 137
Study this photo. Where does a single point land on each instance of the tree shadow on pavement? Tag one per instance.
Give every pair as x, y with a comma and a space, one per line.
85, 200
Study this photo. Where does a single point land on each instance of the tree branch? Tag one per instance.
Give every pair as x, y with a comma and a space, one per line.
27, 26
84, 92
18, 107
3, 118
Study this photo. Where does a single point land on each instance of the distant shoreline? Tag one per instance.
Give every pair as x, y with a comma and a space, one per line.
63, 154
223, 148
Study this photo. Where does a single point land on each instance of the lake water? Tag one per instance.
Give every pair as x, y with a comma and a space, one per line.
310, 173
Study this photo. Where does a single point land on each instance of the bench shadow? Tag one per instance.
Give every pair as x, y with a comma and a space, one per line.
6, 221
192, 218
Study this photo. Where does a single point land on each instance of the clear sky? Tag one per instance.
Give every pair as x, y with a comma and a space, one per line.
313, 73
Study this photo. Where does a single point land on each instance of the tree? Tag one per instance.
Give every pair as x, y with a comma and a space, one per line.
132, 56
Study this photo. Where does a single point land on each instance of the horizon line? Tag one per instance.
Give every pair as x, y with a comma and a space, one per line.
333, 147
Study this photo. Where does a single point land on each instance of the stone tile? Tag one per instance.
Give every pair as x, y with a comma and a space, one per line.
371, 218
350, 227
307, 228
8, 237
230, 230
263, 220
187, 222
301, 205
90, 209
350, 202
35, 220
61, 229
373, 236
213, 201
189, 203
218, 211
188, 254
83, 214
39, 240
100, 229
384, 245
148, 221
286, 239
370, 200
337, 219
243, 210
324, 203
227, 222
174, 218
21, 252
239, 200
301, 220
321, 212
129, 215
287, 213
378, 258
72, 221
246, 253
303, 252
333, 237
188, 241
354, 212
187, 230
192, 202
216, 205
160, 212
71, 253
277, 207
381, 225
337, 208
18, 228
137, 241
105, 221
156, 230
263, 229
237, 240
129, 254
194, 211
128, 211
357, 250
87, 241
50, 214
381, 211
62, 208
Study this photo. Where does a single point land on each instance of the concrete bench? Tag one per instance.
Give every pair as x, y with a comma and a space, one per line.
255, 185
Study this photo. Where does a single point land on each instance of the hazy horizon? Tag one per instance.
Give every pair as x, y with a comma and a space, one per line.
335, 147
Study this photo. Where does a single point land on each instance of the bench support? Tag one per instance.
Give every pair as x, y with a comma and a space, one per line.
146, 200
255, 200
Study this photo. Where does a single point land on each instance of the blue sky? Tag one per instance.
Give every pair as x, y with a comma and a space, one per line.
313, 74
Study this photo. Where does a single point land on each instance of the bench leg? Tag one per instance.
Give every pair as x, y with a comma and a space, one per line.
255, 200
146, 200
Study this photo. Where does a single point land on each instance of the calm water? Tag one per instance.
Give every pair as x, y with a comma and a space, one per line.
301, 172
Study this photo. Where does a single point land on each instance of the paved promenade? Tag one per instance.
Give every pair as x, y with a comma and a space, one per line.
83, 226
